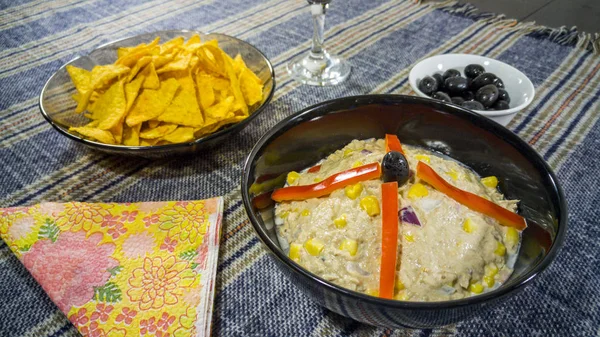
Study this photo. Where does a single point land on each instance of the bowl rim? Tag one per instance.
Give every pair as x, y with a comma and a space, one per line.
142, 149
412, 76
489, 125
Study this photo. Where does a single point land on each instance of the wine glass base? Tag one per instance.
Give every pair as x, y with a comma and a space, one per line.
324, 71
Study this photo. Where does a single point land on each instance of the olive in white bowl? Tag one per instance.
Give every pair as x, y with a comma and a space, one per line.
510, 82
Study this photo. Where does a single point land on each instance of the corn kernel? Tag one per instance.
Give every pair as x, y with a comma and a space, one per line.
353, 191
372, 292
357, 164
314, 246
409, 238
305, 212
476, 288
292, 177
347, 152
349, 245
490, 181
317, 180
491, 270
453, 174
423, 158
370, 204
512, 236
468, 226
295, 250
489, 281
399, 285
340, 222
418, 191
284, 214
500, 249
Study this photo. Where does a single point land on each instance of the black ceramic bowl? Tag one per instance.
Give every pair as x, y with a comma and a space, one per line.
302, 139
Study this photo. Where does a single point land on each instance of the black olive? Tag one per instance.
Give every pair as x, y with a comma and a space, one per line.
481, 80
498, 83
473, 105
455, 85
451, 73
440, 81
501, 105
503, 95
468, 95
474, 70
395, 168
442, 96
487, 95
428, 85
457, 100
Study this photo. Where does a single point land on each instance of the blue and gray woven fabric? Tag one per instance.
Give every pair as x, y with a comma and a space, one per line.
382, 39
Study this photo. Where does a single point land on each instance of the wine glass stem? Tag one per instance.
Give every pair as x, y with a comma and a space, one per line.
318, 13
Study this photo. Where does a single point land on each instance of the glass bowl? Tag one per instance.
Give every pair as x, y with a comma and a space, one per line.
58, 108
487, 147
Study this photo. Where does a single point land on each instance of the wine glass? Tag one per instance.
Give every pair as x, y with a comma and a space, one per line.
318, 67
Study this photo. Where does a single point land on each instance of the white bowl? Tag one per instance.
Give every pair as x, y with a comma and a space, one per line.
519, 87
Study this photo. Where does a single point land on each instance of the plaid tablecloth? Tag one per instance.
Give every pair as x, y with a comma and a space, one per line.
382, 39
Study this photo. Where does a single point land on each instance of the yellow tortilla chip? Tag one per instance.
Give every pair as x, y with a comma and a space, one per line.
92, 124
100, 77
169, 46
181, 62
81, 78
124, 51
161, 60
148, 142
200, 132
193, 40
151, 103
131, 135
219, 111
251, 89
153, 123
207, 62
131, 58
152, 81
103, 136
141, 63
157, 132
184, 109
132, 89
181, 135
117, 132
235, 86
206, 93
110, 107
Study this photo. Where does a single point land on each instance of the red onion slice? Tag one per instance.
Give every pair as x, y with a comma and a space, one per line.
408, 215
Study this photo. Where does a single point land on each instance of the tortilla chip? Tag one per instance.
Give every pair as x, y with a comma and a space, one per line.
148, 142
81, 78
161, 60
152, 103
184, 109
219, 111
252, 90
102, 136
205, 89
224, 61
169, 46
117, 132
193, 40
181, 62
141, 63
153, 123
110, 107
181, 135
152, 81
131, 135
131, 58
132, 89
157, 132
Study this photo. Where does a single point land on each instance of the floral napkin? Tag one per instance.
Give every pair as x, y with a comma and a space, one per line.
129, 269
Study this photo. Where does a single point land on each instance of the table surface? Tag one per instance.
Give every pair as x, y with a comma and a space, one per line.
382, 39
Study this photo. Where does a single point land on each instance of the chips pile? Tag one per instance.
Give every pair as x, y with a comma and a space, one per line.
164, 93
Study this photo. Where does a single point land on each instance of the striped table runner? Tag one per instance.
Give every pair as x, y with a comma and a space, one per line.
382, 39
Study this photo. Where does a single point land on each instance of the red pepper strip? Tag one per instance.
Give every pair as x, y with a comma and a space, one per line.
472, 201
389, 239
330, 184
314, 169
262, 201
392, 143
